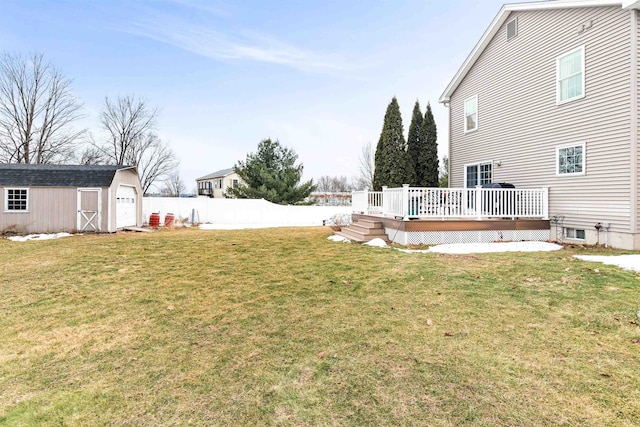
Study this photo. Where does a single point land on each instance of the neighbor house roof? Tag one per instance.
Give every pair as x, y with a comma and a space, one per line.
503, 15
219, 174
27, 175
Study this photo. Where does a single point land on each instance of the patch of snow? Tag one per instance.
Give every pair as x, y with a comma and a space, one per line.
628, 262
413, 251
478, 248
377, 242
336, 238
38, 237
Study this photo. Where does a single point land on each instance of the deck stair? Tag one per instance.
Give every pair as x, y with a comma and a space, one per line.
364, 230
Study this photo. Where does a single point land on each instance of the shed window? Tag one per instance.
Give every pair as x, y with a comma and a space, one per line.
16, 199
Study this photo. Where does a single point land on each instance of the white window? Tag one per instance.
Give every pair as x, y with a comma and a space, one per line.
570, 76
16, 199
570, 160
471, 114
478, 174
573, 233
512, 28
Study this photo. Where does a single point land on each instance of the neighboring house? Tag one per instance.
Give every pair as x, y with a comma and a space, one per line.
55, 198
216, 184
549, 98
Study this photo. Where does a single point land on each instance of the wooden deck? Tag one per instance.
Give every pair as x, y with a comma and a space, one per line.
449, 224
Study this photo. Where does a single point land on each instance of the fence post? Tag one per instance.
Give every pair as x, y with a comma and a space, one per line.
479, 202
384, 200
545, 202
405, 201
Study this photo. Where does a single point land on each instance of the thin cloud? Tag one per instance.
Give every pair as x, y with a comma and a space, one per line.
244, 45
202, 5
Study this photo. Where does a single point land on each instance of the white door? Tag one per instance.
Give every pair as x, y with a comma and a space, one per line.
89, 209
126, 206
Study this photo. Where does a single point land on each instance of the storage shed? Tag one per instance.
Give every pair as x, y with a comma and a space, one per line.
72, 198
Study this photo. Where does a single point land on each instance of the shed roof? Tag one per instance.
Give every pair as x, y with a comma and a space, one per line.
28, 175
503, 15
218, 174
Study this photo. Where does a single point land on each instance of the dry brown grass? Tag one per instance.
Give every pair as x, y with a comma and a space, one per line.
282, 327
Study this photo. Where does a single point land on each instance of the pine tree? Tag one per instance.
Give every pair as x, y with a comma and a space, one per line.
428, 156
392, 165
271, 174
414, 144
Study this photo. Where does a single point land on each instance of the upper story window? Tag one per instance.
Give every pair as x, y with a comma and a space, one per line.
16, 199
512, 28
570, 160
471, 114
570, 76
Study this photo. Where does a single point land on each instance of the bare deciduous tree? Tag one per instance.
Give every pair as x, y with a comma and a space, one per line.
366, 167
333, 184
174, 185
37, 109
130, 123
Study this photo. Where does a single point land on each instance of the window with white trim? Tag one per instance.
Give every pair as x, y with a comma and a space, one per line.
478, 174
16, 199
570, 76
573, 233
570, 160
512, 28
471, 114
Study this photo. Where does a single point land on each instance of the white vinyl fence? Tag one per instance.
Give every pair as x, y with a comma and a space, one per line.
238, 213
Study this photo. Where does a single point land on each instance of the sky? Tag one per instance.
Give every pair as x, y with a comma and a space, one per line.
224, 75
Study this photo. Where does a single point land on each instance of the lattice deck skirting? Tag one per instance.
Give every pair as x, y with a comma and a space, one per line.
472, 236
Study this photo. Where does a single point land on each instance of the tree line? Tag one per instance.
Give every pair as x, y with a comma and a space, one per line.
272, 173
38, 113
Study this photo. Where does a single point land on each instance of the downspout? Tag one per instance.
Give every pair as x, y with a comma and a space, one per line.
633, 149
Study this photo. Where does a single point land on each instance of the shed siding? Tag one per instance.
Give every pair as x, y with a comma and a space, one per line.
51, 210
521, 125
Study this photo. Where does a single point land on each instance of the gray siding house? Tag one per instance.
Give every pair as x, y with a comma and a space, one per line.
549, 98
55, 198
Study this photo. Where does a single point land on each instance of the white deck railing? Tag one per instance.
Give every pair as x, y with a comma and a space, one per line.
478, 203
369, 202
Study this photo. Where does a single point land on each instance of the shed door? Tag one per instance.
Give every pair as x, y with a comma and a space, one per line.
126, 204
89, 209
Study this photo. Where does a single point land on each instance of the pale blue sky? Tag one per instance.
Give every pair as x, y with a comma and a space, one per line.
317, 75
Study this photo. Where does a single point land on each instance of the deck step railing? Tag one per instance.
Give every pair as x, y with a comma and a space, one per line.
369, 202
430, 203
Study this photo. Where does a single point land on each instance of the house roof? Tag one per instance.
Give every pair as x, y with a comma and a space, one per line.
27, 175
503, 15
219, 174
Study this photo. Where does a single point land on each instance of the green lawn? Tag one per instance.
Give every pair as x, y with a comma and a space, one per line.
282, 327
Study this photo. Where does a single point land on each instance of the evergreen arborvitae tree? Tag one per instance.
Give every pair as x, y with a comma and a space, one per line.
428, 156
392, 165
271, 174
415, 144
